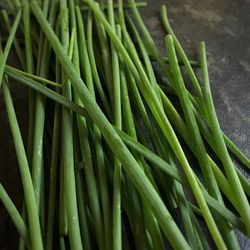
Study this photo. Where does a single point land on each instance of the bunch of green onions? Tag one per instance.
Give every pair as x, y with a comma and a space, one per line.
110, 161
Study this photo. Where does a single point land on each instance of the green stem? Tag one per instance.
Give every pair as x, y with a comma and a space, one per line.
130, 142
95, 74
67, 144
8, 45
13, 73
206, 212
53, 179
149, 42
115, 6
106, 56
29, 195
195, 136
224, 156
86, 148
117, 227
130, 165
236, 151
30, 69
14, 214
180, 51
157, 110
15, 41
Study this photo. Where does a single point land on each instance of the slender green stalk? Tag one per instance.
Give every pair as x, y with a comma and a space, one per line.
153, 103
92, 60
15, 41
106, 56
163, 151
117, 228
8, 45
207, 215
194, 80
145, 56
193, 63
14, 214
63, 216
29, 195
236, 151
37, 78
164, 166
130, 165
158, 140
149, 42
53, 179
117, 238
201, 239
16, 3
62, 243
82, 203
180, 51
67, 144
86, 149
197, 140
153, 230
115, 6
205, 130
190, 229
97, 139
42, 69
176, 119
37, 159
191, 122
130, 142
224, 156
150, 221
11, 72
30, 69
209, 137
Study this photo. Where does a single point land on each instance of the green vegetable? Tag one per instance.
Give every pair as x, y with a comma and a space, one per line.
120, 154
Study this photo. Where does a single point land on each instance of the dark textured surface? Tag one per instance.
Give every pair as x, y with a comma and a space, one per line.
225, 26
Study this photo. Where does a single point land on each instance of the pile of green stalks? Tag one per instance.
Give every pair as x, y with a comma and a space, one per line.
116, 156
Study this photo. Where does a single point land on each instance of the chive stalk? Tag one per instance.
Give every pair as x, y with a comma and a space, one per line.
29, 195
224, 156
67, 144
198, 143
117, 228
118, 129
92, 184
14, 214
130, 165
17, 47
180, 51
8, 45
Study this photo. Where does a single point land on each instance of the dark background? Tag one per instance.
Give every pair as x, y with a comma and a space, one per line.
225, 27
